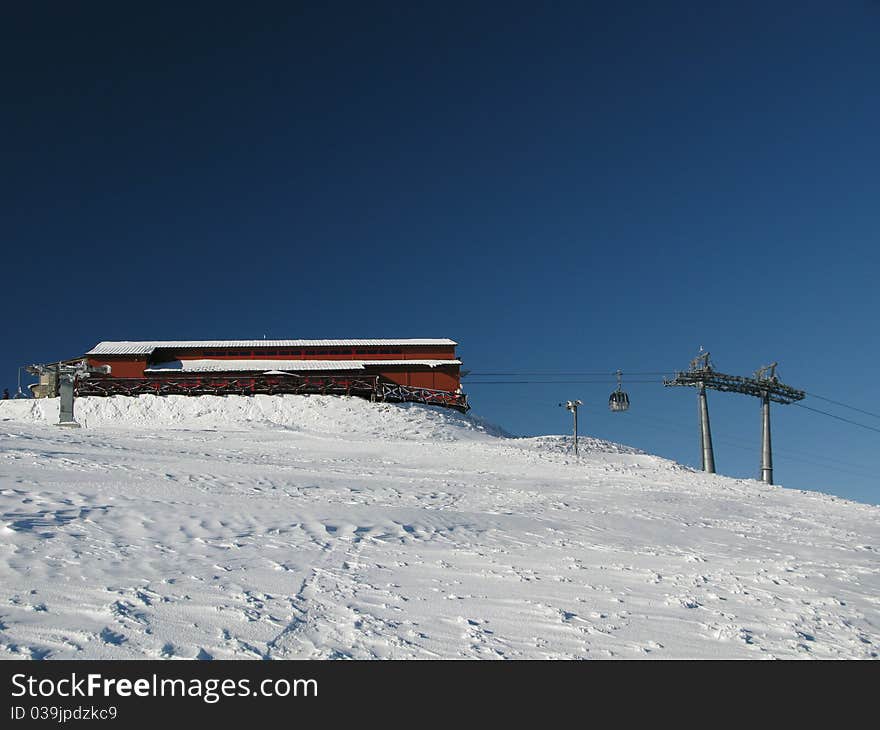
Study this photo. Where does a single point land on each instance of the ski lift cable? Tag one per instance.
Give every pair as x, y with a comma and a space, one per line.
843, 405
839, 418
593, 381
859, 470
644, 381
780, 455
746, 445
472, 383
787, 455
597, 373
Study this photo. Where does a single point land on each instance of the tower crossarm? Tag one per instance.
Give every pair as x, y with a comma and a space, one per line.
712, 379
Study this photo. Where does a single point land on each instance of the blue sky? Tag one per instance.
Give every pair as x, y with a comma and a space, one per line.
575, 188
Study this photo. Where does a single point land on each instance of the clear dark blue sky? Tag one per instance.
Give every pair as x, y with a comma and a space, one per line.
559, 187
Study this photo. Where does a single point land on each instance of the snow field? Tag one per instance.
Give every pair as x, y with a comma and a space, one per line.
325, 527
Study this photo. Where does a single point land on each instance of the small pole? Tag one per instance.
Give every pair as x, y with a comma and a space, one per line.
708, 454
67, 381
572, 405
766, 448
20, 393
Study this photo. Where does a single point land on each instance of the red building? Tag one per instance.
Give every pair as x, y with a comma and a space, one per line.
421, 370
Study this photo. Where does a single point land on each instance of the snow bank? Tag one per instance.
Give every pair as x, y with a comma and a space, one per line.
320, 414
329, 415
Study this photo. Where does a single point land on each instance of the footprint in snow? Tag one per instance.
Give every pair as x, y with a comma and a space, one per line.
108, 636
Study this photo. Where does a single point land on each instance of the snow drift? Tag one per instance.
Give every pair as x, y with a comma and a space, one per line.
297, 412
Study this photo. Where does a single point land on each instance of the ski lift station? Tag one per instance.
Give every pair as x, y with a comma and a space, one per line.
408, 370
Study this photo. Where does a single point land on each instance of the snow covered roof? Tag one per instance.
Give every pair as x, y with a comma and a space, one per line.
429, 363
143, 347
275, 367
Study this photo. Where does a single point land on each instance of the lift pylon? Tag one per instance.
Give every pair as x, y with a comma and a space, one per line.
706, 450
766, 374
764, 385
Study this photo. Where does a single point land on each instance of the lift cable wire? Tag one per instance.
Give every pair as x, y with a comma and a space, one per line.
743, 444
843, 405
854, 469
592, 381
610, 375
521, 373
785, 454
839, 418
788, 455
551, 382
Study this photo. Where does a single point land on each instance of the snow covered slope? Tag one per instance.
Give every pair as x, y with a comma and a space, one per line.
293, 527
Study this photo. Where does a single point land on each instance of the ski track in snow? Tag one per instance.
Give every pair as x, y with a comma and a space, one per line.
321, 527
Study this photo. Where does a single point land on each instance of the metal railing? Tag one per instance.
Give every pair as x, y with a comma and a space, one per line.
408, 394
371, 387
